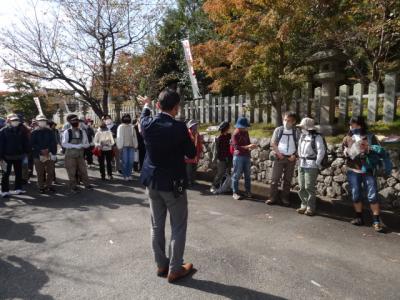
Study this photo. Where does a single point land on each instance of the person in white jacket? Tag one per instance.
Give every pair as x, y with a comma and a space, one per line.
311, 151
104, 142
127, 143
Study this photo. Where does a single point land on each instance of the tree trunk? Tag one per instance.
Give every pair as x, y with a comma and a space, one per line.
104, 101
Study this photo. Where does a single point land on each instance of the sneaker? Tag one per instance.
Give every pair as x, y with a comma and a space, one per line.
378, 227
42, 191
89, 187
301, 210
110, 177
75, 190
357, 222
248, 195
126, 178
5, 195
19, 192
309, 213
270, 202
213, 190
236, 196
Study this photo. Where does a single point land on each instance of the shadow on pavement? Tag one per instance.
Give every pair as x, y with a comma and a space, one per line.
9, 230
229, 291
105, 193
22, 280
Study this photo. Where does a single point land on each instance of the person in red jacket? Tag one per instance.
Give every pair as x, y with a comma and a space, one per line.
191, 164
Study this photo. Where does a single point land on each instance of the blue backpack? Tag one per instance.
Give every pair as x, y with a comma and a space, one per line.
381, 162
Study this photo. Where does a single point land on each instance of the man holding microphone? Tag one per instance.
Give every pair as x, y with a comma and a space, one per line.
167, 144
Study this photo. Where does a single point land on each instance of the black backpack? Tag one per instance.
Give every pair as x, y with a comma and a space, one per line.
325, 160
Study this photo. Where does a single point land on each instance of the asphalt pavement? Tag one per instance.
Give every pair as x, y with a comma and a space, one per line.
96, 245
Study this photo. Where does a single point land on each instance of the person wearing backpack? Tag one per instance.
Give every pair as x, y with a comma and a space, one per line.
284, 145
75, 141
222, 155
312, 152
363, 155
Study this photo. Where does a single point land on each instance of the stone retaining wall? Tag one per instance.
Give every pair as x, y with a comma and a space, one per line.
332, 181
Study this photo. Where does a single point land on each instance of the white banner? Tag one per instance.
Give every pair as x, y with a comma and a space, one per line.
38, 105
192, 74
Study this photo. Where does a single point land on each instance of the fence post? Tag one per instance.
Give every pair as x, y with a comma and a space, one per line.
257, 110
186, 114
358, 100
234, 109
220, 109
214, 109
201, 108
227, 109
249, 109
241, 102
208, 110
306, 95
317, 104
389, 104
372, 102
343, 104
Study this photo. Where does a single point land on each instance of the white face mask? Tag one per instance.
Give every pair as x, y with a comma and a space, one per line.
287, 125
108, 122
42, 123
14, 123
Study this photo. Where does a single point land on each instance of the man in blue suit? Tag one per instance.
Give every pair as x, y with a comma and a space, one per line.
167, 144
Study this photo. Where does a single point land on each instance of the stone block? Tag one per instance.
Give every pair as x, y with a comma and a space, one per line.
391, 182
327, 172
337, 163
340, 178
328, 180
265, 143
330, 192
264, 154
397, 187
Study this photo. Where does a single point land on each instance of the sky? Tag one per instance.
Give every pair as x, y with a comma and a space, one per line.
12, 10
9, 14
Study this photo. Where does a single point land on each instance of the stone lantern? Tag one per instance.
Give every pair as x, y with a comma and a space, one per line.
330, 63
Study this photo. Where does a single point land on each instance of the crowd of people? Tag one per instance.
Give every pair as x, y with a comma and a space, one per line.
166, 152
120, 148
303, 146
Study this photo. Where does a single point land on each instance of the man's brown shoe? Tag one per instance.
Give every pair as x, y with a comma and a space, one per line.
183, 272
162, 272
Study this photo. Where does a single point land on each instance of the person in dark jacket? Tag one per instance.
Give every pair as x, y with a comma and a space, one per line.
222, 155
44, 151
53, 126
14, 147
167, 144
141, 147
87, 125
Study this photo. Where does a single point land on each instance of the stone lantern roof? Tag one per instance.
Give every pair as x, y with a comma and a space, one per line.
330, 65
327, 55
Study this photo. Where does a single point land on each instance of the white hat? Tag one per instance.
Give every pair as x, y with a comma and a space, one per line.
41, 118
13, 117
307, 123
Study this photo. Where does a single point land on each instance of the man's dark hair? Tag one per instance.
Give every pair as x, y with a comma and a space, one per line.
291, 114
168, 99
360, 121
72, 116
126, 116
106, 117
